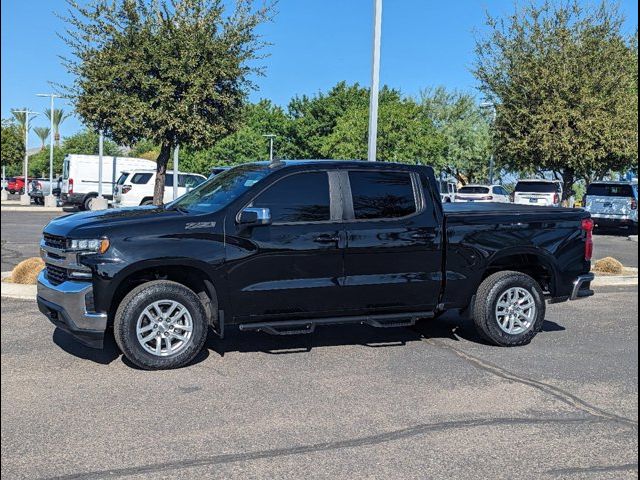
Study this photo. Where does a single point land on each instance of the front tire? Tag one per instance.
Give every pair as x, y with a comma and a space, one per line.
160, 325
510, 309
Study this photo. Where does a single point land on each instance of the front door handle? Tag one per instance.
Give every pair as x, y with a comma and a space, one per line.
423, 236
327, 239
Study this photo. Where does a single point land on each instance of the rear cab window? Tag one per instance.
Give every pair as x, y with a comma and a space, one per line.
380, 195
611, 190
537, 187
474, 190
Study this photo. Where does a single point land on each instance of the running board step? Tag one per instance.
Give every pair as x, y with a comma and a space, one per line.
300, 327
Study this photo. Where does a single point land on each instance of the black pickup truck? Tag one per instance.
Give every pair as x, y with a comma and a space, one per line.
284, 247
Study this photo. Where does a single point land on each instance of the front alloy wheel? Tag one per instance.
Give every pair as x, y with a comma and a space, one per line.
164, 328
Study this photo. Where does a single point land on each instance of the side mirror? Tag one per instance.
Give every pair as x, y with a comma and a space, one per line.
255, 217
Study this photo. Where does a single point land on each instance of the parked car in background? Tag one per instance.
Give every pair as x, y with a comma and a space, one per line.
541, 193
16, 184
136, 187
448, 189
40, 187
80, 175
483, 193
613, 204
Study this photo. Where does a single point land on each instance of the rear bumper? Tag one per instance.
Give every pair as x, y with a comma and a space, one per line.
604, 220
582, 287
65, 305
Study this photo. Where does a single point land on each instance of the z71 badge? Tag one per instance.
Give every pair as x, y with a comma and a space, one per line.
197, 225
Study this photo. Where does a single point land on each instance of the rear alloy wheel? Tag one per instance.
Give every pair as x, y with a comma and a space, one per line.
160, 325
510, 309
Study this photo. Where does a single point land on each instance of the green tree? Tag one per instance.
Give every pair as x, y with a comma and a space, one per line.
58, 117
316, 117
12, 146
405, 134
43, 134
465, 131
175, 72
564, 82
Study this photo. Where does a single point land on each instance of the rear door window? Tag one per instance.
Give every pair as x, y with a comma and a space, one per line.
382, 195
610, 190
301, 197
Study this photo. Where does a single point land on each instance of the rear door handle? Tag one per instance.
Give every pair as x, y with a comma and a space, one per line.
327, 239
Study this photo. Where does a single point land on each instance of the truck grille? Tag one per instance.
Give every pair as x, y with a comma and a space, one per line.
56, 275
55, 241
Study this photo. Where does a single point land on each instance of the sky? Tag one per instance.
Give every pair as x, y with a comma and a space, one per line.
315, 44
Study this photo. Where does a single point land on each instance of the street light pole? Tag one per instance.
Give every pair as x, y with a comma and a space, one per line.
176, 177
270, 136
99, 202
25, 199
50, 200
493, 122
375, 82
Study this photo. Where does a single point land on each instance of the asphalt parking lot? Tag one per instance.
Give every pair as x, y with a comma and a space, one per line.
348, 402
21, 233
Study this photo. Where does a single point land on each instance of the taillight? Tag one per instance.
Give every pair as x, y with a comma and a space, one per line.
587, 226
70, 189
126, 188
634, 204
556, 199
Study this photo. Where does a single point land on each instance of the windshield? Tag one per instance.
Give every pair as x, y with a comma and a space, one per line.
123, 178
537, 187
610, 190
473, 190
219, 191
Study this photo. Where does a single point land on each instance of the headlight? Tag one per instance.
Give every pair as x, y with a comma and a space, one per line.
100, 245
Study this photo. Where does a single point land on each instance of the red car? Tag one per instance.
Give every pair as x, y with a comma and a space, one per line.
16, 184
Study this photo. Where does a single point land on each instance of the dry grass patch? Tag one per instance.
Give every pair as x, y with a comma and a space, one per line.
26, 272
609, 265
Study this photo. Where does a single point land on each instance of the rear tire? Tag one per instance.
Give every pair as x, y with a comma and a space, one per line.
146, 201
86, 203
137, 336
499, 315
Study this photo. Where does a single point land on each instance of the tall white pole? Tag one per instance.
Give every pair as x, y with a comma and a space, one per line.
375, 82
51, 150
176, 177
100, 151
50, 201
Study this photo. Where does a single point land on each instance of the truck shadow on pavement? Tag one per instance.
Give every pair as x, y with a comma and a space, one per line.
449, 327
453, 328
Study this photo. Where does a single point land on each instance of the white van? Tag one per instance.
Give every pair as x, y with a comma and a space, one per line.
80, 176
136, 187
448, 189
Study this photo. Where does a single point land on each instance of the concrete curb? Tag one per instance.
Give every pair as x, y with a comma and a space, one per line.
633, 238
30, 209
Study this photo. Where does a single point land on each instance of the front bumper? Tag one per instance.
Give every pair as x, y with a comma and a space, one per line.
65, 305
582, 287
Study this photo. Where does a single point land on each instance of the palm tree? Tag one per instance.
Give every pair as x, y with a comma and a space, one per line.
58, 117
43, 134
21, 118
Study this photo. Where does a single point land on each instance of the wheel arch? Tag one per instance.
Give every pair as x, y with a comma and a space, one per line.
535, 262
193, 274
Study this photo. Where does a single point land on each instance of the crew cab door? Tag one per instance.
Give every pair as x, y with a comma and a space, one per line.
393, 258
296, 263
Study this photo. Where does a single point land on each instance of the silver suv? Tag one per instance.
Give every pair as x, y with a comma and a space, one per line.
613, 204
